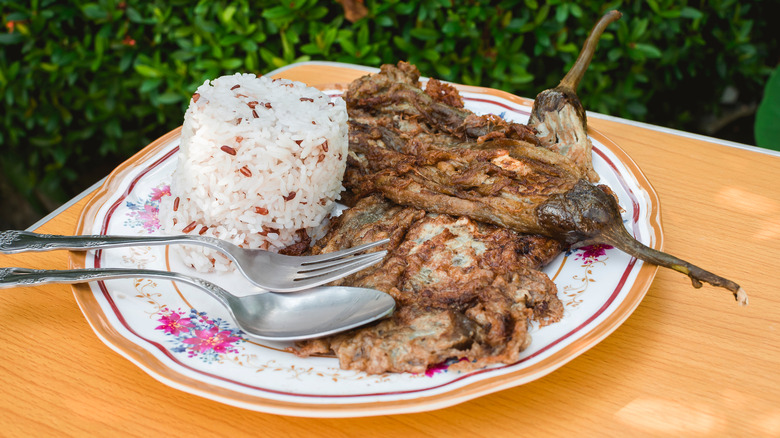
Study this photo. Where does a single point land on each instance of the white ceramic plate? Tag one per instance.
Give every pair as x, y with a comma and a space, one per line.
188, 341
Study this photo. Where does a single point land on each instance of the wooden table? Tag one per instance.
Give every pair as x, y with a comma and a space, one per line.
686, 363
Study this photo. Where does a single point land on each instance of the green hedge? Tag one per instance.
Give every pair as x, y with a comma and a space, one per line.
84, 84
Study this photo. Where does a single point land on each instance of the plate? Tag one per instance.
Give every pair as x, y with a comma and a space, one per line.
186, 340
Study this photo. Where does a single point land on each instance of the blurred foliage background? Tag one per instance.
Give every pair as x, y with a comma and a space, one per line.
85, 84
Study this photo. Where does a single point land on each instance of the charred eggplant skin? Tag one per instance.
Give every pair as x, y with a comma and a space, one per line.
579, 215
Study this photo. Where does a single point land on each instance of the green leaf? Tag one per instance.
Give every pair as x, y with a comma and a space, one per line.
638, 28
451, 28
149, 85
125, 62
230, 40
49, 67
133, 15
227, 14
362, 36
691, 13
431, 55
231, 63
93, 11
209, 64
276, 13
402, 44
649, 50
404, 8
182, 55
147, 71
16, 16
348, 46
169, 98
561, 14
384, 21
767, 124
424, 34
11, 38
317, 13
310, 49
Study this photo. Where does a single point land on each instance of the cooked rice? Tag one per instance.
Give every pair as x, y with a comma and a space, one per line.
259, 160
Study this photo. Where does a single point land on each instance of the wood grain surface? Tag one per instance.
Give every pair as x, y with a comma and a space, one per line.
688, 362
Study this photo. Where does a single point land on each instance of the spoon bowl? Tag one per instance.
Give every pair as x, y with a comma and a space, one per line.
312, 313
262, 315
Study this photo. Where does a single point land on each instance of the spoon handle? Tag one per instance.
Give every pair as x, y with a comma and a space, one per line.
13, 277
14, 241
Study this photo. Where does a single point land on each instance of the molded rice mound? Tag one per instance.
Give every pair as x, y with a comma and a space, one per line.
260, 162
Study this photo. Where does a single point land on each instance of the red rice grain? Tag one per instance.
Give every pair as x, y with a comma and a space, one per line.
189, 227
228, 150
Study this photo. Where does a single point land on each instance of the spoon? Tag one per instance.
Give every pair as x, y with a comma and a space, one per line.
264, 315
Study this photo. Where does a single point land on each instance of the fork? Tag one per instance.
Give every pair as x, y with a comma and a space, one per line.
268, 270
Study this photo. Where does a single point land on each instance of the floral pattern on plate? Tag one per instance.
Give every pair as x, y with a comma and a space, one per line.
198, 335
146, 214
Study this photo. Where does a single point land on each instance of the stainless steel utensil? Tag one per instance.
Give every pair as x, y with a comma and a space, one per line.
265, 315
268, 270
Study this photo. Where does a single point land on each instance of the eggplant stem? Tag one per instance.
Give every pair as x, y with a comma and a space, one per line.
619, 237
577, 71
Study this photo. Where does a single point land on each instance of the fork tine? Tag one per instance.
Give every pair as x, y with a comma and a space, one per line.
335, 263
367, 260
339, 254
324, 276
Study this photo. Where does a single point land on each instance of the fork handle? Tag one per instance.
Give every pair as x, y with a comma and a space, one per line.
14, 241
